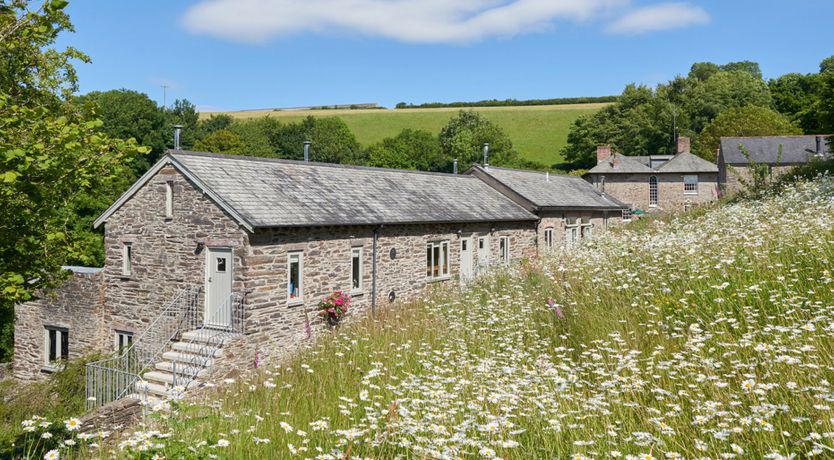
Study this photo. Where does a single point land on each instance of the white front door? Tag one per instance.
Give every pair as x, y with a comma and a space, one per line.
466, 270
483, 253
219, 272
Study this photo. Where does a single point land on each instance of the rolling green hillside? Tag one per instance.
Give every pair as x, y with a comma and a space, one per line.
538, 132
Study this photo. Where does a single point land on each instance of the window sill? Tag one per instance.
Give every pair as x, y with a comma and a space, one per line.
51, 368
690, 193
295, 302
357, 293
652, 205
438, 280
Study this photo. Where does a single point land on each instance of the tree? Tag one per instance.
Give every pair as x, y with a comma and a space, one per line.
184, 113
130, 114
794, 96
220, 141
410, 149
51, 153
259, 135
215, 122
722, 91
464, 136
742, 121
332, 141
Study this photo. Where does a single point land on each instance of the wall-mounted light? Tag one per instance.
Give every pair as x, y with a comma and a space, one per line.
201, 244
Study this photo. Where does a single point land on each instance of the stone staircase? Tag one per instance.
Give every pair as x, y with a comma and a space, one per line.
186, 364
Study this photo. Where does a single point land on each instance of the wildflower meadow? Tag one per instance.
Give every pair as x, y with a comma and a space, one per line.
705, 336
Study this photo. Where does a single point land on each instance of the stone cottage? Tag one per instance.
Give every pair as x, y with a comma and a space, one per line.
656, 183
776, 154
569, 208
246, 247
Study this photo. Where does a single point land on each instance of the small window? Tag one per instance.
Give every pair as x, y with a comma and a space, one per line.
504, 249
127, 259
56, 344
437, 260
690, 184
295, 277
356, 269
627, 215
123, 341
221, 265
548, 238
169, 199
653, 191
572, 234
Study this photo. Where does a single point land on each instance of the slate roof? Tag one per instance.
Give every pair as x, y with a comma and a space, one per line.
627, 165
550, 191
266, 192
765, 149
688, 163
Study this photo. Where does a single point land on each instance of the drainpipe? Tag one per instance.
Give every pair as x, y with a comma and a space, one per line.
373, 269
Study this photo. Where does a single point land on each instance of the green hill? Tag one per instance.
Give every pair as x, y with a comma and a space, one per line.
538, 132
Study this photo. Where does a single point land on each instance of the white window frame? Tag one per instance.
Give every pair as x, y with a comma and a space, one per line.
548, 238
122, 340
690, 184
295, 257
60, 353
504, 249
627, 215
654, 192
431, 263
356, 258
169, 199
127, 259
572, 232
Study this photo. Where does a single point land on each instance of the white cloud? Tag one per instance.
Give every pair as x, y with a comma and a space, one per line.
664, 16
413, 21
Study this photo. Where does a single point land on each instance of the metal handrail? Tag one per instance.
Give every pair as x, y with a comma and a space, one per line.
114, 378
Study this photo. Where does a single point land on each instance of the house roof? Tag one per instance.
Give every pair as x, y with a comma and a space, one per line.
549, 191
765, 149
681, 163
267, 192
687, 163
619, 163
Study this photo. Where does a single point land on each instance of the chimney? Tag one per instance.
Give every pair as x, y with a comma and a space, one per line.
455, 166
819, 146
306, 150
547, 176
683, 144
486, 154
603, 153
177, 137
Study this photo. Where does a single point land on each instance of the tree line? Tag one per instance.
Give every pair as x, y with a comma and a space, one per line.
709, 102
510, 102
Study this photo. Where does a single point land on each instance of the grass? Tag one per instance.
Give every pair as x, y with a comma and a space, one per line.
538, 132
705, 336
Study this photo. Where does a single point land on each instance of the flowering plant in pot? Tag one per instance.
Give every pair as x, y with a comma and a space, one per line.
334, 307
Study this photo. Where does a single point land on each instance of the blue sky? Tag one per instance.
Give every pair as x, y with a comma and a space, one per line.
247, 54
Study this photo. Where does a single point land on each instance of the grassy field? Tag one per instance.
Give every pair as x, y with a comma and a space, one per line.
538, 132
706, 336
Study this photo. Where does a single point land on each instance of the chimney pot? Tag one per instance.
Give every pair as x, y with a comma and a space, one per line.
307, 150
684, 144
455, 166
486, 154
819, 146
177, 137
547, 176
603, 153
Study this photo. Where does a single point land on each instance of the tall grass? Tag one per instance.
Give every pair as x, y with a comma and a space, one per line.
707, 336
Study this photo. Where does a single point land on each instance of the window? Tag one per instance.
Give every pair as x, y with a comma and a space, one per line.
571, 231
483, 252
356, 270
221, 265
504, 249
123, 341
688, 207
56, 344
295, 277
437, 260
169, 199
627, 215
653, 191
690, 185
548, 238
586, 229
127, 259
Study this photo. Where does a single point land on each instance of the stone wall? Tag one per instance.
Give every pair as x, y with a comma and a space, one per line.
557, 220
75, 306
633, 189
735, 178
167, 253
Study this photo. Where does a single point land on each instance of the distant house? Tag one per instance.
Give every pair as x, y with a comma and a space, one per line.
669, 183
778, 154
569, 208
